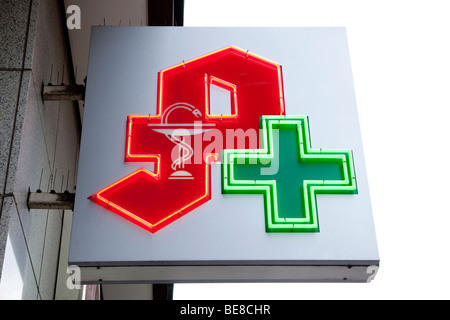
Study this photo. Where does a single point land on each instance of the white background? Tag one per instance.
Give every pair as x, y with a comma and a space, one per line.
400, 55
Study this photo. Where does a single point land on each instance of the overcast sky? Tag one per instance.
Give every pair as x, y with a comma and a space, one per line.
400, 56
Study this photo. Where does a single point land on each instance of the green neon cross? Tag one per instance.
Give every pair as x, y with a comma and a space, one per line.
289, 173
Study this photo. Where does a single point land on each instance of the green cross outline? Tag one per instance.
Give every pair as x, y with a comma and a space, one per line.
274, 223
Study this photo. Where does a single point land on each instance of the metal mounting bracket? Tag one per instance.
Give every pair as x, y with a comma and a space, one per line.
50, 200
63, 92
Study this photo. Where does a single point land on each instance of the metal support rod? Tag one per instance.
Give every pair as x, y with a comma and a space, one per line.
63, 92
50, 200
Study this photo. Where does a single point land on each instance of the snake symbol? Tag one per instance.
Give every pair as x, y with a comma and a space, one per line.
177, 136
185, 151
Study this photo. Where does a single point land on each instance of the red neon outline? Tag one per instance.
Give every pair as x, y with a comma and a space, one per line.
97, 198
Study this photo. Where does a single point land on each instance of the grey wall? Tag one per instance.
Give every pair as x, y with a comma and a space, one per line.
38, 150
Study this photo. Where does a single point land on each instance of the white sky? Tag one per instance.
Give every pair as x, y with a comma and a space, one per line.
10, 286
400, 55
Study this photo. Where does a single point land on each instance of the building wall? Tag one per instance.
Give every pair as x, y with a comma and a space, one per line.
39, 143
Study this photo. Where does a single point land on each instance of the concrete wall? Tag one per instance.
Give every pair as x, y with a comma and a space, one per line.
39, 145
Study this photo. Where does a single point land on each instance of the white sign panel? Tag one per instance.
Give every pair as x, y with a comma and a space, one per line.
221, 154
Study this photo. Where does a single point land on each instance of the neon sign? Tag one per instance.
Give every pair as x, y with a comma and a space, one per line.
173, 141
300, 174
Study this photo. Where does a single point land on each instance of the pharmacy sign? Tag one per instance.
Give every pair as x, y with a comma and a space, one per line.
221, 155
